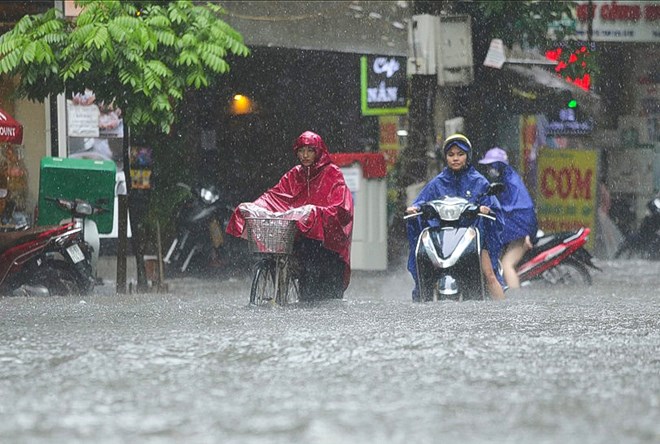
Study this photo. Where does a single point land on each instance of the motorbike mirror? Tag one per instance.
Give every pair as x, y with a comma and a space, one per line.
495, 188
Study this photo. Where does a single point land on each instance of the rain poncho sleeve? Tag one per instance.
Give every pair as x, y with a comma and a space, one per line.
323, 193
468, 184
517, 207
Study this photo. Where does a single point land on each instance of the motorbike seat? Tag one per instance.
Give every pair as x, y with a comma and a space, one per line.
13, 238
547, 242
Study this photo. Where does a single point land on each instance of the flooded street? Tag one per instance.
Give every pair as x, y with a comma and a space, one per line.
199, 365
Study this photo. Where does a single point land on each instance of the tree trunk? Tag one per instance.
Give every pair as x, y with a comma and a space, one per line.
126, 202
122, 216
421, 139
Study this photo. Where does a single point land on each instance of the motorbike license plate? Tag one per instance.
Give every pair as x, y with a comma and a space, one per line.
75, 253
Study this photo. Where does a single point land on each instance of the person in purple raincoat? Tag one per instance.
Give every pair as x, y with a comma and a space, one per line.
517, 211
459, 178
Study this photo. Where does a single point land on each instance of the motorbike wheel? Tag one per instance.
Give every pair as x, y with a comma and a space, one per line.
59, 280
570, 272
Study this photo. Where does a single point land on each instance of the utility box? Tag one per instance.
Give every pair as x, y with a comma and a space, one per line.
454, 63
69, 178
422, 36
441, 45
364, 174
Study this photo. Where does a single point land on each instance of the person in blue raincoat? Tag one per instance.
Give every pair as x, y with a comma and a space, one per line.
518, 212
459, 178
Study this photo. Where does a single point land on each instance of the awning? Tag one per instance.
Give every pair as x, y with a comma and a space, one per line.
542, 77
532, 68
10, 130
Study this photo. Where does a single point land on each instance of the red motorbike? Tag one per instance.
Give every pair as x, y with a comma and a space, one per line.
41, 261
558, 259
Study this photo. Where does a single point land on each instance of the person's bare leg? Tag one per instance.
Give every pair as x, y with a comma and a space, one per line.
492, 284
512, 255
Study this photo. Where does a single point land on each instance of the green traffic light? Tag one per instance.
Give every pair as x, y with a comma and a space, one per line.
572, 104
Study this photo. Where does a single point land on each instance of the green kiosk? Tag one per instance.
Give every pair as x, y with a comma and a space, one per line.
70, 178
86, 179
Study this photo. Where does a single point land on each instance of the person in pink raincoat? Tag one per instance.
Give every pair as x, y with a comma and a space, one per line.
323, 246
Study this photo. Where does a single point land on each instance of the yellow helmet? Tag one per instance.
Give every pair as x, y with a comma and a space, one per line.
460, 141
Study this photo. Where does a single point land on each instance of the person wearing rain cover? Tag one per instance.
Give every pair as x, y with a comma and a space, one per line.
520, 223
324, 247
460, 179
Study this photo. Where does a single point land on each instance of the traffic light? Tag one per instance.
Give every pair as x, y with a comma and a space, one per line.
572, 104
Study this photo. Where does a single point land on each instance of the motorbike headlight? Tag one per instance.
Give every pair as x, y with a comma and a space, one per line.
208, 196
84, 208
450, 212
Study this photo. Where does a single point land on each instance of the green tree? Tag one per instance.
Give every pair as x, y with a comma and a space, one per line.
141, 55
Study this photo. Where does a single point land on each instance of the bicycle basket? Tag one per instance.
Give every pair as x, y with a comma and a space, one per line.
270, 235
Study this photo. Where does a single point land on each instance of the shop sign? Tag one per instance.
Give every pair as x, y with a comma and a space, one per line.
82, 121
95, 130
388, 143
569, 125
566, 197
619, 21
141, 161
383, 85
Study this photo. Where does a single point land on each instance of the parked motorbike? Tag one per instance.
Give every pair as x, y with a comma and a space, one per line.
80, 211
558, 259
448, 256
646, 241
48, 260
200, 223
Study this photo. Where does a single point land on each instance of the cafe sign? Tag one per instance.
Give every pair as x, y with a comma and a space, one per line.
384, 88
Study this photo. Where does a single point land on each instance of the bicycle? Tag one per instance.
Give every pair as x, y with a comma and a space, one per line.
276, 278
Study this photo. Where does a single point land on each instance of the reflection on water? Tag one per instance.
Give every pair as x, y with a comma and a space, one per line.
198, 365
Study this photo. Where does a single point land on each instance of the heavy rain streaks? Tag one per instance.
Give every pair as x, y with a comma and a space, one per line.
197, 364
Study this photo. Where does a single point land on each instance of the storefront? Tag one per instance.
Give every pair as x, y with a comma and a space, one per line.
33, 116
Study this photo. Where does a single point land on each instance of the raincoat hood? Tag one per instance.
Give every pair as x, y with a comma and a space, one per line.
495, 155
311, 139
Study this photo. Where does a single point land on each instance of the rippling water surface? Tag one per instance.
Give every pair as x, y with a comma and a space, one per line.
198, 365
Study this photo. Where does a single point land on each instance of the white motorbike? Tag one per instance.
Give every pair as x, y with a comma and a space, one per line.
448, 252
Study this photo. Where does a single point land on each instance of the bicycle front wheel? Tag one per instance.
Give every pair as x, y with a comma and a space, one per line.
264, 288
290, 286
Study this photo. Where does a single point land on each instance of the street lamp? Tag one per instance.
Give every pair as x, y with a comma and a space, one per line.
241, 104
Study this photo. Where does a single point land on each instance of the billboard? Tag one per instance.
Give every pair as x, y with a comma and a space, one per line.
622, 21
567, 183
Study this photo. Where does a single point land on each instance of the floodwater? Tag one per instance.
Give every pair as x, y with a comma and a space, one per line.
197, 365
